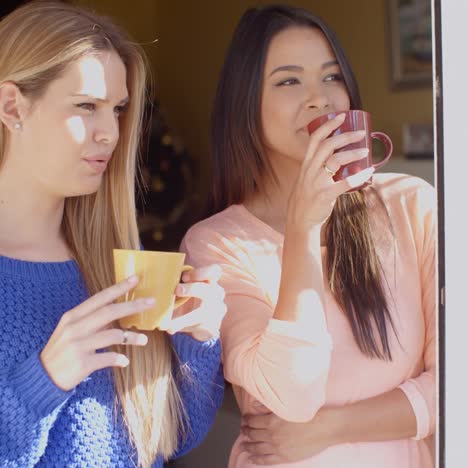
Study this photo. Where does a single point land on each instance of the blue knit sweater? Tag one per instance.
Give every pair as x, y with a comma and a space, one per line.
41, 425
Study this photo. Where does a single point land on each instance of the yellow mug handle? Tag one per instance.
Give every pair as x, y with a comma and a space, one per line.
183, 300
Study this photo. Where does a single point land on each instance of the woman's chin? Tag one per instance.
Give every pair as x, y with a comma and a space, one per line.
83, 190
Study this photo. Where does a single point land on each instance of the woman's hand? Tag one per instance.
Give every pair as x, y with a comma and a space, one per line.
272, 441
315, 193
70, 354
201, 317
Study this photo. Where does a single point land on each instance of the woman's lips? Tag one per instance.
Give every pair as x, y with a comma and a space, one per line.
97, 165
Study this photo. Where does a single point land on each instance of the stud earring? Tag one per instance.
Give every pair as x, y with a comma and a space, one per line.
18, 126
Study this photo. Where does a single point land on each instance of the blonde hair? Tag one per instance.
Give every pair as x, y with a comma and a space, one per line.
37, 42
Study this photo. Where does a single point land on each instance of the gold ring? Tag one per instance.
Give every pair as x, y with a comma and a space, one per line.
328, 170
125, 337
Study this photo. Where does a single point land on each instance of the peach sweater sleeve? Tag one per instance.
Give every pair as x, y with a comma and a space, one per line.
278, 363
420, 390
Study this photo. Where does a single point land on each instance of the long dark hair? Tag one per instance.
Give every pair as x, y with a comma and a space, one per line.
240, 166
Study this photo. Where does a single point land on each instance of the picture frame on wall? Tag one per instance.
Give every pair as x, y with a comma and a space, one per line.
418, 141
410, 37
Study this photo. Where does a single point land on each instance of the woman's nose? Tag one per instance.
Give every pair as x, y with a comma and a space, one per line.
317, 99
107, 131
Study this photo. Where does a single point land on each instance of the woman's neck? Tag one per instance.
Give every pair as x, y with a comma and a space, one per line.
31, 221
270, 204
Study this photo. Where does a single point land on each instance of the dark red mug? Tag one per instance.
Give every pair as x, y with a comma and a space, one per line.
356, 120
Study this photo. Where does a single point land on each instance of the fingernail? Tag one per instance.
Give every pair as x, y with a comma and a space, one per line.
142, 339
150, 301
363, 151
185, 277
132, 279
361, 133
124, 362
340, 116
181, 289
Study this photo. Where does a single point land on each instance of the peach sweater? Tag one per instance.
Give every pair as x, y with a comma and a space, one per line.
294, 371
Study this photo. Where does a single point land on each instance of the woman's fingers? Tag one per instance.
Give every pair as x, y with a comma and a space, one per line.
323, 132
211, 273
337, 160
202, 319
352, 181
203, 291
114, 312
333, 144
265, 460
104, 298
115, 336
258, 421
184, 322
256, 435
108, 359
258, 448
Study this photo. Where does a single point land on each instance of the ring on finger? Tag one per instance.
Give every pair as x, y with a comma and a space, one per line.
328, 170
125, 337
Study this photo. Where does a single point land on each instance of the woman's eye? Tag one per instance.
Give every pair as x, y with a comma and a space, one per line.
89, 106
288, 82
334, 77
119, 110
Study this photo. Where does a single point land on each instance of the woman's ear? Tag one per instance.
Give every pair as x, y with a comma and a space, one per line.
12, 106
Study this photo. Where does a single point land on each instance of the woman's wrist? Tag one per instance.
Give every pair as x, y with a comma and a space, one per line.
302, 232
337, 424
203, 335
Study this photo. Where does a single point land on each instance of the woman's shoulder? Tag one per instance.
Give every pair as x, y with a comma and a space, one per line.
233, 222
407, 198
221, 238
390, 184
233, 234
229, 217
398, 188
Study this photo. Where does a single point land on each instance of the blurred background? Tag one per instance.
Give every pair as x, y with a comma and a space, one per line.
389, 45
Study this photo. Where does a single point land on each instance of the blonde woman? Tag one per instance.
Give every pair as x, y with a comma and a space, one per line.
75, 390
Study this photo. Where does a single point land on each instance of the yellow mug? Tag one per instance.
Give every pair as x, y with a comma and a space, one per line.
159, 274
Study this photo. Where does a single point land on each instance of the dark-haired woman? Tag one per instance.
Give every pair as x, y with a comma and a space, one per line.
329, 338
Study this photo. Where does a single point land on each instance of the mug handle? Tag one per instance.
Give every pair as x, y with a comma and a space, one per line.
385, 139
183, 300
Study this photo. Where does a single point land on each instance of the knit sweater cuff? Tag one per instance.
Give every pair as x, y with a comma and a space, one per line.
35, 387
189, 349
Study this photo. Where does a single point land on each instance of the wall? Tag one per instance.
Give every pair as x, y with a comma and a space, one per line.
140, 23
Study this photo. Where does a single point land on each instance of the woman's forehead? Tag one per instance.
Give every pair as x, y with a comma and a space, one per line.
101, 75
297, 45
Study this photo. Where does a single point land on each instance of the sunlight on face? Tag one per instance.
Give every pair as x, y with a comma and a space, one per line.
77, 129
73, 129
302, 80
93, 76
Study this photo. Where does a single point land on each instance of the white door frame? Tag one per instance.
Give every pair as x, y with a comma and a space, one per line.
451, 63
